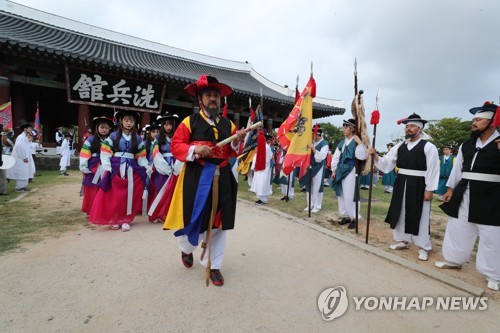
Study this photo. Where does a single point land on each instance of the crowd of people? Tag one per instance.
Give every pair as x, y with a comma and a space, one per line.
181, 173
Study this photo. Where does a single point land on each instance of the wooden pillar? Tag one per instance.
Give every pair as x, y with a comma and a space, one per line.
83, 118
236, 120
145, 119
4, 90
18, 99
269, 125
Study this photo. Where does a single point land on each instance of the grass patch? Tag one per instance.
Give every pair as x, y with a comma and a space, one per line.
329, 211
37, 215
42, 213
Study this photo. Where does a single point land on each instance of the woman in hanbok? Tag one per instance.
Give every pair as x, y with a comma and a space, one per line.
90, 160
123, 158
163, 162
150, 190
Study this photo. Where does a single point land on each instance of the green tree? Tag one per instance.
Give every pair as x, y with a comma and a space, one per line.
331, 133
448, 131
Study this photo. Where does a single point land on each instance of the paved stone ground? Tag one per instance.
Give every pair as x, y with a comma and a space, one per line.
96, 280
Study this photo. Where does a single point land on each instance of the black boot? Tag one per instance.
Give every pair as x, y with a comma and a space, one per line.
345, 220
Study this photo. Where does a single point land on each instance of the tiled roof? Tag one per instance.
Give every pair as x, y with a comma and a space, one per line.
35, 38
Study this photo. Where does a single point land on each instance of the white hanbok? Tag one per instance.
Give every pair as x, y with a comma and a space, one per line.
261, 183
461, 235
386, 164
22, 171
65, 155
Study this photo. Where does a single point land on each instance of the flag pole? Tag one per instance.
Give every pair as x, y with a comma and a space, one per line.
310, 191
356, 164
373, 121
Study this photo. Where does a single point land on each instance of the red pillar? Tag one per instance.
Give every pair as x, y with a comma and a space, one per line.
145, 119
4, 90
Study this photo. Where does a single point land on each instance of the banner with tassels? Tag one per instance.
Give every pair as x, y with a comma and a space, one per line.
246, 157
295, 133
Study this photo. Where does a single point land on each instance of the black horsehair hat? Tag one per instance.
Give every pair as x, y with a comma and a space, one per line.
23, 124
413, 117
102, 119
487, 106
350, 122
153, 126
167, 116
122, 113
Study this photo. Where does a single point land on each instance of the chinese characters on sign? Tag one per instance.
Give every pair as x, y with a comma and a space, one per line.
88, 87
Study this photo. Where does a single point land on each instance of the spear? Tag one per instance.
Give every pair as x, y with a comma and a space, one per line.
310, 169
356, 165
374, 120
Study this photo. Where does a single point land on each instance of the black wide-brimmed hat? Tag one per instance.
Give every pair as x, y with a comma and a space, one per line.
208, 82
448, 146
23, 124
487, 106
122, 113
102, 119
413, 117
167, 116
153, 126
350, 122
67, 135
390, 144
269, 136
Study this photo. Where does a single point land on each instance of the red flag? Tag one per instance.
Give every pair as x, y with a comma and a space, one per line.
6, 116
297, 94
260, 160
37, 119
252, 115
295, 134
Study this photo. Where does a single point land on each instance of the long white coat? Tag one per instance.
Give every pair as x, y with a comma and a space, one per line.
21, 151
65, 155
261, 183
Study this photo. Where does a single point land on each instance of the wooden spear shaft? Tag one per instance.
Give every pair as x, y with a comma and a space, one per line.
233, 137
370, 188
207, 243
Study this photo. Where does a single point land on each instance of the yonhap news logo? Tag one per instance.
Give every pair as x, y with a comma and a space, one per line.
333, 303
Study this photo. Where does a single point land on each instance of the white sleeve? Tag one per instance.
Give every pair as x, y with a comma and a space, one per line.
432, 172
361, 152
388, 162
335, 159
161, 165
456, 172
320, 155
106, 156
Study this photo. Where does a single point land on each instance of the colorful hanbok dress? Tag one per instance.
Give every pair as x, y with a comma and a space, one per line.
119, 198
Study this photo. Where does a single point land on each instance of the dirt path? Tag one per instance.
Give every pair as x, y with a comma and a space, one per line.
98, 280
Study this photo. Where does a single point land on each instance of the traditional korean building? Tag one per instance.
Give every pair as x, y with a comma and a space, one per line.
74, 72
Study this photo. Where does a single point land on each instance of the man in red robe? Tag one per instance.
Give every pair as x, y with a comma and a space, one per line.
194, 143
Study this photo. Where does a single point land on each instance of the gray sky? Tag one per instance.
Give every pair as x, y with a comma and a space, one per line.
437, 58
